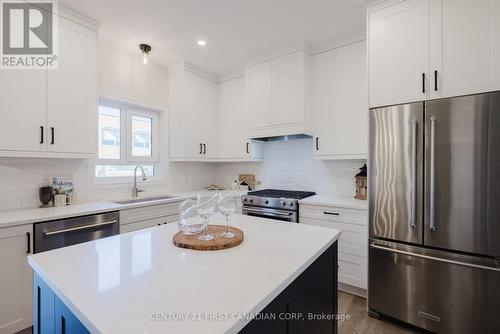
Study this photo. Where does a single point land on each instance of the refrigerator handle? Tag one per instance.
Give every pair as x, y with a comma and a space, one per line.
432, 176
432, 258
414, 126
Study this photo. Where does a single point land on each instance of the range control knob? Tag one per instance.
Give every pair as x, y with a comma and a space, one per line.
266, 202
251, 200
244, 199
290, 204
282, 203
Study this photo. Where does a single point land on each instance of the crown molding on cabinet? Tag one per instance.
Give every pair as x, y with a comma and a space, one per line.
185, 66
338, 43
231, 76
291, 48
380, 4
77, 17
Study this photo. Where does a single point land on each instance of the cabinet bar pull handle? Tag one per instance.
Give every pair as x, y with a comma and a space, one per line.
432, 205
414, 127
52, 135
248, 148
436, 80
28, 242
79, 228
331, 213
201, 148
317, 143
204, 148
423, 82
41, 134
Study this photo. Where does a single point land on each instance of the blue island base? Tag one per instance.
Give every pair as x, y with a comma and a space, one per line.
50, 313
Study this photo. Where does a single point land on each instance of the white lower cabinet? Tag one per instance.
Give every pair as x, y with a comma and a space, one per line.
148, 216
16, 278
353, 242
148, 223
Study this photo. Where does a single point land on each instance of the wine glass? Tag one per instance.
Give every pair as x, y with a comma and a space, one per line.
206, 207
227, 206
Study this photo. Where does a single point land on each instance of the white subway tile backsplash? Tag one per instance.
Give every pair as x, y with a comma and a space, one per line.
290, 165
287, 165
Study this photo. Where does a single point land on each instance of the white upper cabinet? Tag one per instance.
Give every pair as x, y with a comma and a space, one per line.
53, 112
72, 92
465, 47
192, 114
339, 103
22, 106
276, 87
232, 143
258, 90
398, 48
454, 43
288, 78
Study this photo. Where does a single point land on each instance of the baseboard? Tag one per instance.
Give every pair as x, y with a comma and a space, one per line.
352, 290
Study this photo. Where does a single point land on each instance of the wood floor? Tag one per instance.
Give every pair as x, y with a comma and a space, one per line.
361, 323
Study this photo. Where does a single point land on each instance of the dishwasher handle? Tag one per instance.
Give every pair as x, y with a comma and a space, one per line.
79, 228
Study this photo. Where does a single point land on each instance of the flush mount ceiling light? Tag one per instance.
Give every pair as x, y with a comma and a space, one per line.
201, 43
145, 50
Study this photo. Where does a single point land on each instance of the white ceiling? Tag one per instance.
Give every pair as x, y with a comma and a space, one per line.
235, 30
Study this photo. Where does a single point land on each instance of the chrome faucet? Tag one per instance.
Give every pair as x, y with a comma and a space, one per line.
135, 190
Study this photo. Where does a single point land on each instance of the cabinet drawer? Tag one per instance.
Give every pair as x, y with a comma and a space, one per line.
353, 270
334, 213
148, 223
353, 240
148, 212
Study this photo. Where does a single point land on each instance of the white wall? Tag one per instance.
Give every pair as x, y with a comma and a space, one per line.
289, 165
122, 76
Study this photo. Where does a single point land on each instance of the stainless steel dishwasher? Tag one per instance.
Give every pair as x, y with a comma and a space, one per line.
66, 232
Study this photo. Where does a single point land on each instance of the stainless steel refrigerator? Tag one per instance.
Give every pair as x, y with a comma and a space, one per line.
434, 208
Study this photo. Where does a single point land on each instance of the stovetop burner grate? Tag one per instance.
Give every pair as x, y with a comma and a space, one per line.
276, 193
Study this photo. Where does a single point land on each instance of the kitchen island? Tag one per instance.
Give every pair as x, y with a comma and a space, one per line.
282, 278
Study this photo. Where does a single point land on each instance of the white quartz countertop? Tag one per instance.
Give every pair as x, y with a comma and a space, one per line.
119, 284
34, 215
29, 216
344, 202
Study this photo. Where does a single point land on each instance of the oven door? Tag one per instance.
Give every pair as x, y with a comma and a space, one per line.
283, 215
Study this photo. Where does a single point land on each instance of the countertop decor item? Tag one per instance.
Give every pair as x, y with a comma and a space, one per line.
189, 221
361, 183
46, 194
217, 243
205, 206
249, 179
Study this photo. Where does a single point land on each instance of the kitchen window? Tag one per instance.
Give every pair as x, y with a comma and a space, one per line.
128, 136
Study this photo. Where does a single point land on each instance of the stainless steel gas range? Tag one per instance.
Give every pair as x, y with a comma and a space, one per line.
275, 204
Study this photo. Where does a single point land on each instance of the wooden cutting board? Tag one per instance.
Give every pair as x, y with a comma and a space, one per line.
217, 243
248, 178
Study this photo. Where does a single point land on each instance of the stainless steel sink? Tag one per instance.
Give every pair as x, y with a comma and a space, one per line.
143, 200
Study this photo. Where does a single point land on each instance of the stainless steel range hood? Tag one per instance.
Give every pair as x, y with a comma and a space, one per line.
281, 138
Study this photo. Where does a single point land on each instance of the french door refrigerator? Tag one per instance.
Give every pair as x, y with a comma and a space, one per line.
434, 208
